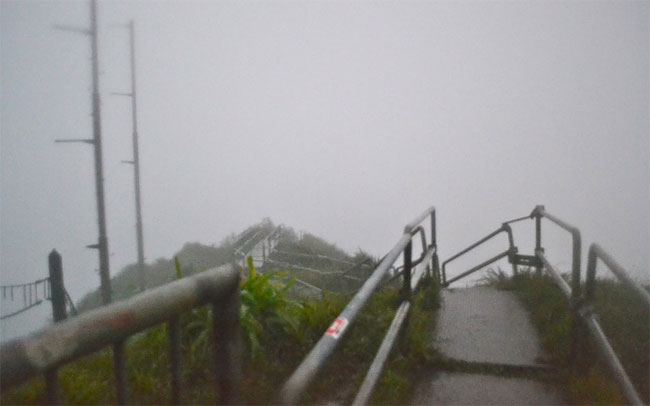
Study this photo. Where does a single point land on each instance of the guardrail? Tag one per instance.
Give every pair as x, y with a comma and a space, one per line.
591, 320
48, 349
299, 381
580, 303
510, 252
267, 243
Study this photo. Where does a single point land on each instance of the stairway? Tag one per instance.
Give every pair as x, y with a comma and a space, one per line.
491, 353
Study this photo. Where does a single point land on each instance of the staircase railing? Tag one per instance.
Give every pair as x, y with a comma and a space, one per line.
50, 348
299, 381
580, 304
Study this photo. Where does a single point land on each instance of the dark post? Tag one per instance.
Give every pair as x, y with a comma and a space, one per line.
174, 336
538, 235
59, 313
227, 368
433, 229
102, 244
511, 245
58, 289
406, 290
136, 164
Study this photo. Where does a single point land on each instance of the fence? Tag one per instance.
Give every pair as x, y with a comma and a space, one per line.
580, 303
52, 288
46, 350
299, 381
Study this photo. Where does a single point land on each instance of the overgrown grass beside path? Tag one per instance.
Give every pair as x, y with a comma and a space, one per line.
277, 333
624, 319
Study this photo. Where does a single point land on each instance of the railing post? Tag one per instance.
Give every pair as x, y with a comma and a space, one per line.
538, 234
119, 363
512, 249
174, 336
227, 357
433, 229
59, 314
408, 253
58, 289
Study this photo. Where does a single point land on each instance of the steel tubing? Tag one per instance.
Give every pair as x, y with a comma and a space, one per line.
612, 360
478, 267
559, 281
377, 366
57, 344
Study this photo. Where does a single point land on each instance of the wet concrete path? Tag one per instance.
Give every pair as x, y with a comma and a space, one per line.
485, 328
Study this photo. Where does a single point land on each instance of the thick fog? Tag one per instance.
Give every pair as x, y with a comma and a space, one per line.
344, 119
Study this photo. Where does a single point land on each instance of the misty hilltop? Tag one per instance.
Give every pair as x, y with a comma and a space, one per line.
315, 264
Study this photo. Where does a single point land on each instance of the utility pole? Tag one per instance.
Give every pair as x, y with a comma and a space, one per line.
102, 243
96, 141
136, 163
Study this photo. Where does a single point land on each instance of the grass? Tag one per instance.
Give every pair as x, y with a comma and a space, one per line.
277, 333
624, 319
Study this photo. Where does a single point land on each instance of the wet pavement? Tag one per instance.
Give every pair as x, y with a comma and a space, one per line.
448, 388
485, 326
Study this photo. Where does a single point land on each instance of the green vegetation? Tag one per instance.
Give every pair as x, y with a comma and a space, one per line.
278, 330
625, 321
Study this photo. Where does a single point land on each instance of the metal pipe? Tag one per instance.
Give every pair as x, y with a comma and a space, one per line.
513, 249
174, 337
420, 268
575, 281
612, 360
471, 247
430, 211
121, 381
478, 267
375, 370
316, 358
595, 252
538, 233
377, 366
226, 350
434, 241
102, 245
406, 288
136, 163
559, 281
25, 357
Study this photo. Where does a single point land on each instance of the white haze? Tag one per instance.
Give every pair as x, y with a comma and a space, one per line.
344, 119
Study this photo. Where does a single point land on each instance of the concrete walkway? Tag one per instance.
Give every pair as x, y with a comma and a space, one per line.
485, 326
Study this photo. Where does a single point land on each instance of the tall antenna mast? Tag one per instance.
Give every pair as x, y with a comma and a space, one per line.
136, 163
96, 141
102, 243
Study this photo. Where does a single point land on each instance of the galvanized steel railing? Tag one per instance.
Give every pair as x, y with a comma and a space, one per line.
50, 348
510, 252
267, 243
297, 384
580, 304
591, 319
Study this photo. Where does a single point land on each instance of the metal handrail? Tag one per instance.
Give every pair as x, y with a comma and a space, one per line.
510, 252
581, 303
315, 360
45, 350
240, 255
541, 212
612, 361
575, 292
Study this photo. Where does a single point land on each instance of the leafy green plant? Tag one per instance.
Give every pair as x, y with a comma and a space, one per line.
265, 307
177, 266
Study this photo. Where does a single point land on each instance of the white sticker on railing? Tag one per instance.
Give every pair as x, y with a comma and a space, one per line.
337, 328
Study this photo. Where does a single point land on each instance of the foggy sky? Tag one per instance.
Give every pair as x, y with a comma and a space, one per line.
344, 119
